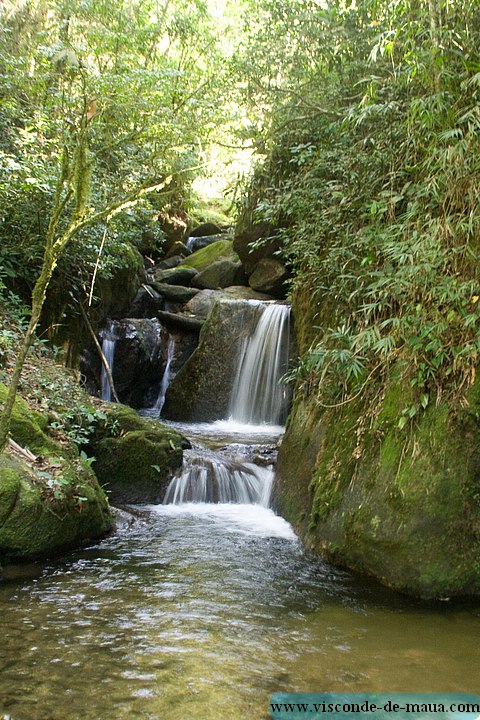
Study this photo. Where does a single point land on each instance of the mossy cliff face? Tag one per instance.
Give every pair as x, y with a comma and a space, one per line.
402, 506
52, 503
137, 461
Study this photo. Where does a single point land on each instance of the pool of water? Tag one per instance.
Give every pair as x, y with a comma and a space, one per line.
201, 611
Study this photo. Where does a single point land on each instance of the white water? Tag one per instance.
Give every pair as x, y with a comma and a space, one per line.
108, 349
258, 406
166, 374
258, 395
207, 477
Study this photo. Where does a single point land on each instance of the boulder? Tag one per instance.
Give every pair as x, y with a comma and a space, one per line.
175, 293
399, 506
202, 303
220, 274
248, 234
212, 365
179, 275
201, 259
205, 229
49, 498
138, 363
197, 243
269, 277
178, 248
135, 464
146, 304
178, 321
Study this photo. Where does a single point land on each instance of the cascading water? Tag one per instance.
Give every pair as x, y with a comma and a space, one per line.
258, 398
258, 395
207, 477
166, 374
108, 349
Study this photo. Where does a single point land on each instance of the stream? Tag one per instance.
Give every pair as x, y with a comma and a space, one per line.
203, 606
202, 610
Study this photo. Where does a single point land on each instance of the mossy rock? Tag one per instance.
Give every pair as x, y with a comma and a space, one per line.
206, 256
27, 427
402, 506
135, 458
213, 364
35, 522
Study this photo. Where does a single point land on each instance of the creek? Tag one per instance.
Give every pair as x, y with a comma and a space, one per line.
204, 605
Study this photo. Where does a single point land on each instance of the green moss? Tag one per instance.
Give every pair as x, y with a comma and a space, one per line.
136, 462
206, 256
28, 428
401, 505
34, 522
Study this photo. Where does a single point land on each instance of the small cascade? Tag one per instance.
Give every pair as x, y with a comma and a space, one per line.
190, 242
207, 477
109, 340
258, 394
166, 374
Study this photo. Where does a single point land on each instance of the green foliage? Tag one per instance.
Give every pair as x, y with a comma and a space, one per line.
372, 177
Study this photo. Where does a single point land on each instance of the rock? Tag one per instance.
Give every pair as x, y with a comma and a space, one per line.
246, 234
170, 262
205, 229
173, 226
178, 248
178, 321
197, 243
136, 464
146, 304
201, 259
269, 277
402, 508
52, 503
176, 293
212, 365
220, 274
179, 275
202, 303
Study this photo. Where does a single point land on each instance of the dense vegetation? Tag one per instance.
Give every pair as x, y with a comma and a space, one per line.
365, 121
372, 181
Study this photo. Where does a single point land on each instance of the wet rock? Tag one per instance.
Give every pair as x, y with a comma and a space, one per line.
147, 303
212, 365
138, 362
178, 321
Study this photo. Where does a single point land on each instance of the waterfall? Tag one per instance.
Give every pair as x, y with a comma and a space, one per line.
108, 349
258, 395
207, 477
166, 374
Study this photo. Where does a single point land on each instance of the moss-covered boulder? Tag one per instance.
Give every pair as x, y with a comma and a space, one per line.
49, 498
206, 256
45, 510
135, 458
400, 505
